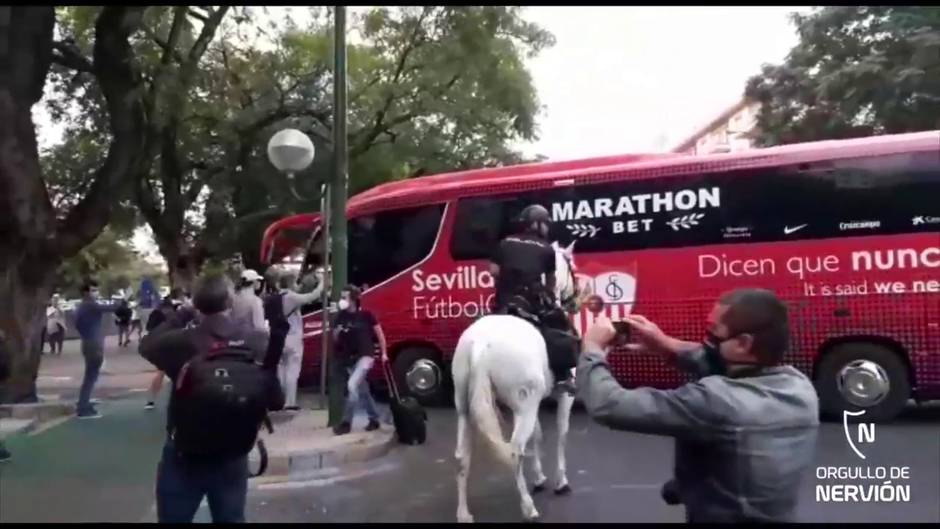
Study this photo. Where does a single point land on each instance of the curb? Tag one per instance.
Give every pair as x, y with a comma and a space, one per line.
42, 411
307, 464
26, 426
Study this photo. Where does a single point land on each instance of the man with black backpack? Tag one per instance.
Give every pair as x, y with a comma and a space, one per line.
221, 396
286, 328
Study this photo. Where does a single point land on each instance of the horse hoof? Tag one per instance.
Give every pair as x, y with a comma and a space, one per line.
538, 487
532, 519
563, 490
465, 519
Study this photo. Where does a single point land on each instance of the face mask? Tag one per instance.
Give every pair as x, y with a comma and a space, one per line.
344, 304
717, 364
712, 348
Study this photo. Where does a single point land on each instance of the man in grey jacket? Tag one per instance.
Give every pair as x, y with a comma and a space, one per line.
745, 430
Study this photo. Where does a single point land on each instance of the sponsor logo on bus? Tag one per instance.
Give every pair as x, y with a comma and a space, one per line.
860, 225
789, 230
919, 221
641, 204
736, 232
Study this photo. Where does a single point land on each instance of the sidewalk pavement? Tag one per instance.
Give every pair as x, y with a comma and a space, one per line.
303, 447
72, 470
124, 371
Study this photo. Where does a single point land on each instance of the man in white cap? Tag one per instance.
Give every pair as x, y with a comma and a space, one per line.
247, 307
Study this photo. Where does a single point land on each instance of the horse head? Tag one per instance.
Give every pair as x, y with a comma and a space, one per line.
566, 284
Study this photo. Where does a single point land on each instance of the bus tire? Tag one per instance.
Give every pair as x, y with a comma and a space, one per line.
420, 374
859, 376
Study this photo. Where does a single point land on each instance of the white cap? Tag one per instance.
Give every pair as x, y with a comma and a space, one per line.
251, 276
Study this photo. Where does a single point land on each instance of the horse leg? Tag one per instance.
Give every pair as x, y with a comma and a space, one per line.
523, 428
565, 402
535, 457
462, 455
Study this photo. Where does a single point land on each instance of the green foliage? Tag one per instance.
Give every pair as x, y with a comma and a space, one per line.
857, 71
430, 89
111, 260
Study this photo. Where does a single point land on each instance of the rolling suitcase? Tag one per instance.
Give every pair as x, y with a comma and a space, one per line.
407, 413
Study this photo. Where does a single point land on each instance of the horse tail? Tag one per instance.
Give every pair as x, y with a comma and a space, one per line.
483, 408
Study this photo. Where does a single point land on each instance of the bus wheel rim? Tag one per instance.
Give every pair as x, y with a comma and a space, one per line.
423, 377
863, 383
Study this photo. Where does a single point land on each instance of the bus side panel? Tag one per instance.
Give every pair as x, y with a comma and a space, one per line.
881, 286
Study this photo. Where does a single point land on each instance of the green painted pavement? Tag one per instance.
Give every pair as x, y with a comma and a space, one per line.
99, 470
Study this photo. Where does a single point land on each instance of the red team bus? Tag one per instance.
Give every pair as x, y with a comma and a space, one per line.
847, 232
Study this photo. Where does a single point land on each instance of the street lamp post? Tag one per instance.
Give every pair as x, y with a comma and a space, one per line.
339, 242
291, 151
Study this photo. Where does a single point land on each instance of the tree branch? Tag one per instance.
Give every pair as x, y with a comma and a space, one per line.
26, 32
69, 56
205, 36
199, 16
120, 82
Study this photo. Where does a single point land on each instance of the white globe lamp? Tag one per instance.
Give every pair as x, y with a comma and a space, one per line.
290, 151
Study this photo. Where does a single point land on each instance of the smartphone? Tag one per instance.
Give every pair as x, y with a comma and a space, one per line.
623, 332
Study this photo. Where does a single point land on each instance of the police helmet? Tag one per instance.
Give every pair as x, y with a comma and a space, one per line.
534, 214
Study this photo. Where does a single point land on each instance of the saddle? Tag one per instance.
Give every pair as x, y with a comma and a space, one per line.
562, 342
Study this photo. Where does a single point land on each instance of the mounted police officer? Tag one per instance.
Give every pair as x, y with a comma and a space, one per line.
524, 268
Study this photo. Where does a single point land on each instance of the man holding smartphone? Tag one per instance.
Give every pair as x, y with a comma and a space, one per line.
745, 430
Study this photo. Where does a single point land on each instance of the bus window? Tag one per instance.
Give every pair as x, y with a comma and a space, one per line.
386, 243
481, 223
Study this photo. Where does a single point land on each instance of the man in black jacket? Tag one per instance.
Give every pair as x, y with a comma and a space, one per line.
182, 483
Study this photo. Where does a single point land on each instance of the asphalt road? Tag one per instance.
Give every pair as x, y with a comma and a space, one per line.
103, 470
616, 477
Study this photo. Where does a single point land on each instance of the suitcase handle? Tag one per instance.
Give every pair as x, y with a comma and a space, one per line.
390, 378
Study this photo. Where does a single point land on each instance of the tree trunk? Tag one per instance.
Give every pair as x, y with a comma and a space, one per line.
182, 265
32, 242
22, 317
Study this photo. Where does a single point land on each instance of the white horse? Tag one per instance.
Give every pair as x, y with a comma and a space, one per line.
503, 358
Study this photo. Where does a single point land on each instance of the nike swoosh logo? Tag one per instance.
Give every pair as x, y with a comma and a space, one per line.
788, 230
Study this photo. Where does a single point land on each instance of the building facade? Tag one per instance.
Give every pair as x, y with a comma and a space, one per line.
729, 132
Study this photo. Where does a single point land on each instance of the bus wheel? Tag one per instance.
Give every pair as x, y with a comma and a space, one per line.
418, 372
862, 376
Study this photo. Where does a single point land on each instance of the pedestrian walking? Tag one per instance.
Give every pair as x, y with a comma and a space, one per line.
356, 332
283, 312
745, 430
248, 309
211, 426
136, 322
88, 319
162, 313
122, 318
55, 325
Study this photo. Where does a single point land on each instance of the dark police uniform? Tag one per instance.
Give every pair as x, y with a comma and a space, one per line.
522, 260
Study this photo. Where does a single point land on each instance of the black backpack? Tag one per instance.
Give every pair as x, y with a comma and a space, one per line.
123, 313
220, 401
156, 318
279, 327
